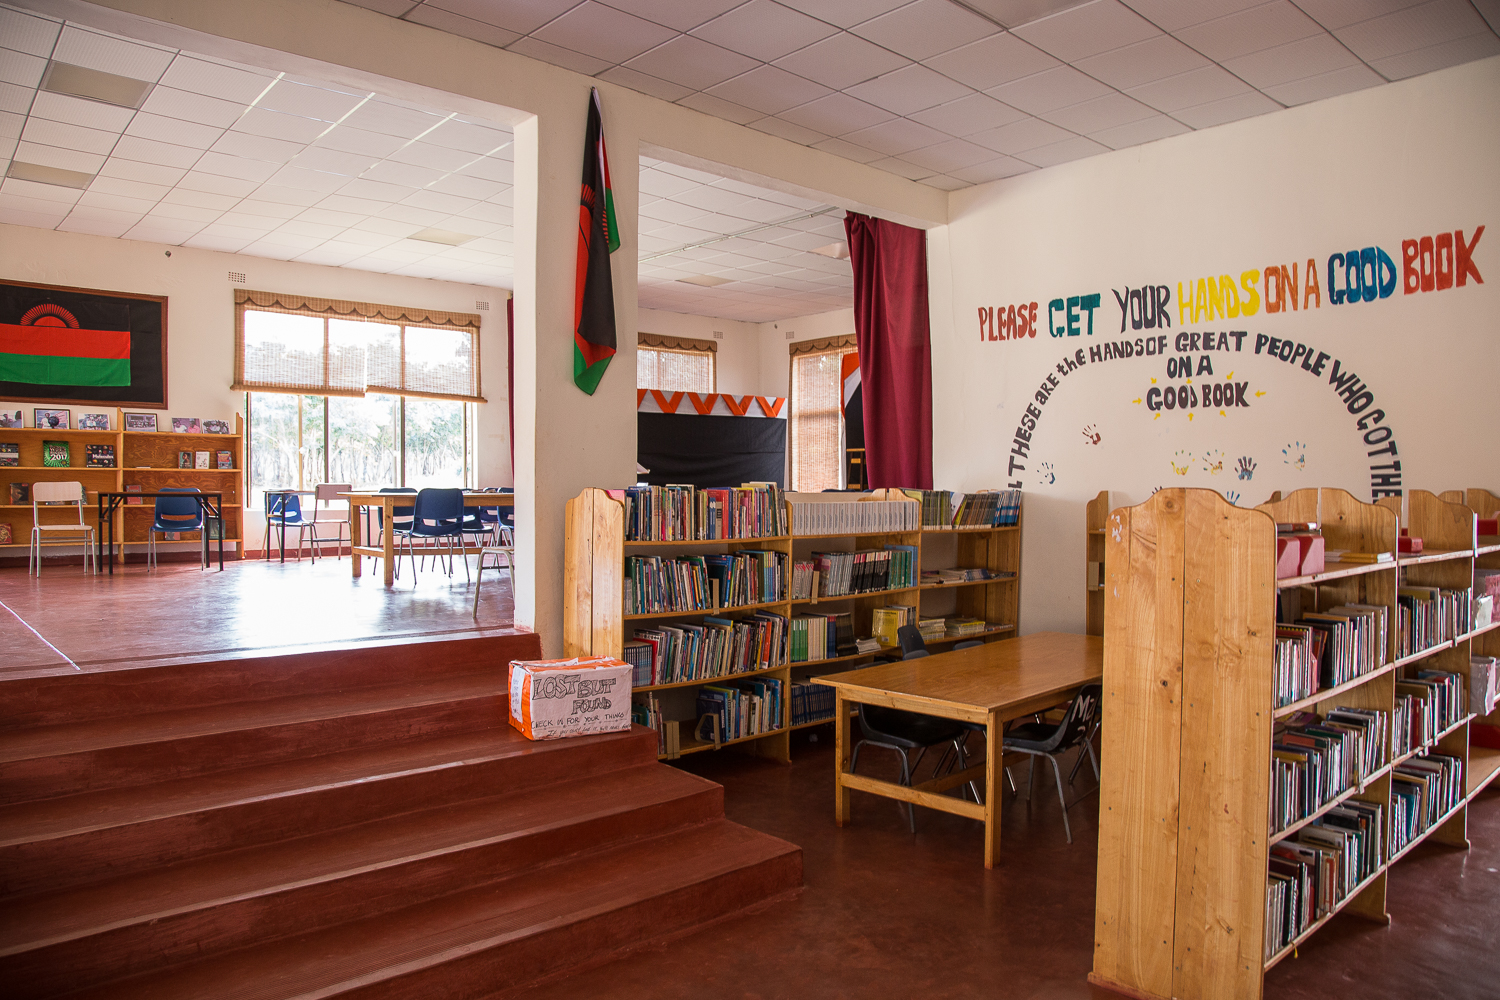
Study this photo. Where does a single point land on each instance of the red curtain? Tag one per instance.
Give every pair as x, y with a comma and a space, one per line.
895, 354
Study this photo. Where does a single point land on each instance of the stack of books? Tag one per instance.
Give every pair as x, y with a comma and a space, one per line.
812, 638
847, 517
958, 574
884, 622
811, 703
716, 647
932, 629
1324, 649
966, 626
866, 571
1423, 790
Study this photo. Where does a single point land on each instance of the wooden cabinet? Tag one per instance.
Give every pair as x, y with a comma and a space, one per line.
1191, 601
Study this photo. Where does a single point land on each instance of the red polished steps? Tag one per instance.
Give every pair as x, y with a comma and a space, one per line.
356, 838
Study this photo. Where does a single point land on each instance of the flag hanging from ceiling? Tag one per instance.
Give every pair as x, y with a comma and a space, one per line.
49, 346
598, 237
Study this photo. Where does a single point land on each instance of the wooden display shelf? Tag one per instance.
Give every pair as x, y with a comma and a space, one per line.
856, 534
1339, 689
850, 597
846, 658
1317, 925
640, 616
700, 681
1479, 631
181, 436
1094, 514
697, 746
61, 468
994, 630
1338, 800
1432, 556
1484, 762
1417, 840
814, 722
1335, 571
966, 583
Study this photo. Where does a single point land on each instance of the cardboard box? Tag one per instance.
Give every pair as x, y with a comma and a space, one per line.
553, 699
1288, 556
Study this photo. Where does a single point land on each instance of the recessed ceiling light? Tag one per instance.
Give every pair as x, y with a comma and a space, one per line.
838, 251
23, 171
95, 85
706, 280
447, 236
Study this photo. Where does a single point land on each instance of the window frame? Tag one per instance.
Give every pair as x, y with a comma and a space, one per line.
679, 345
836, 346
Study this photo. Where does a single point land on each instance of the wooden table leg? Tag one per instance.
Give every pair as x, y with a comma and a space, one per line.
992, 771
843, 745
388, 542
356, 537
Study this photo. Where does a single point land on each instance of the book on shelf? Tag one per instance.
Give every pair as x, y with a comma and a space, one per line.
99, 456
866, 571
885, 622
814, 514
741, 708
1359, 558
647, 712
658, 584
813, 637
1313, 871
225, 458
20, 493
1423, 790
686, 513
201, 459
1316, 759
6, 538
1484, 684
133, 488
10, 453
966, 626
867, 645
55, 454
812, 703
932, 629
1435, 703
1430, 616
714, 648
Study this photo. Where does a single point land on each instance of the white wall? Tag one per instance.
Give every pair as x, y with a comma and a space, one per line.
1368, 169
200, 316
776, 338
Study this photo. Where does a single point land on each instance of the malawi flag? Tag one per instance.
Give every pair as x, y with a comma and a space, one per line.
598, 237
47, 345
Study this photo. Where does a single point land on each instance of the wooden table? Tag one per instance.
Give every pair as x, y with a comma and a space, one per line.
990, 684
364, 500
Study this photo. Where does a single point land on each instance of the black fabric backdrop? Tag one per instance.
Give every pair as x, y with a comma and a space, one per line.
710, 451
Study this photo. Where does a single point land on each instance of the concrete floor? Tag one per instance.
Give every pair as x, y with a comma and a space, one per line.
887, 915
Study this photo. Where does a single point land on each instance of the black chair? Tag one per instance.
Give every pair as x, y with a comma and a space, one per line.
893, 729
909, 638
1038, 739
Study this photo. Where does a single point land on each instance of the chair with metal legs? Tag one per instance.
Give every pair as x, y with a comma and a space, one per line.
894, 729
436, 514
1038, 739
177, 514
323, 494
49, 496
506, 548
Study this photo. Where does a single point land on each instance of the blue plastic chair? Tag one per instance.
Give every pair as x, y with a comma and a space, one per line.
176, 514
437, 514
285, 512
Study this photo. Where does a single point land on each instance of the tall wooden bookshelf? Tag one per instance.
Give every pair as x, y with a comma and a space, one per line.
147, 459
1184, 839
594, 622
1095, 512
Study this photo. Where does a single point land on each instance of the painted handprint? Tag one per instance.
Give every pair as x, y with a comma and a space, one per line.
1233, 497
1295, 455
1091, 434
1181, 462
1246, 468
1048, 474
1213, 462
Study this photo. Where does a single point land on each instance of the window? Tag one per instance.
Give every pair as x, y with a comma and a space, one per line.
676, 364
817, 417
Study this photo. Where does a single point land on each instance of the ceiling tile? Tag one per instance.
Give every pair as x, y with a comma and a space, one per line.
603, 32
20, 68
664, 185
1335, 14
763, 30
848, 150
684, 15
190, 107
309, 102
97, 50
1440, 56
149, 151
522, 16
245, 220
720, 108
214, 80
329, 217
837, 114
10, 128
692, 62
950, 156
902, 168
98, 222
15, 99
1099, 113
556, 55
172, 130
925, 28
1020, 136
275, 125
362, 187
1142, 62
152, 230
464, 27
144, 173
1087, 30
27, 33
440, 202
895, 137
1170, 15
1292, 61
257, 147
786, 130
993, 170
769, 90
1075, 148
1316, 88
54, 156
193, 198
914, 88
391, 119
1413, 28
359, 208
407, 174
1049, 90
1211, 83
1137, 132
967, 115
331, 161
643, 83
1229, 109
491, 168
85, 140
358, 140
1250, 31
426, 155
283, 194
93, 198
233, 166
841, 61
36, 192
224, 244
944, 183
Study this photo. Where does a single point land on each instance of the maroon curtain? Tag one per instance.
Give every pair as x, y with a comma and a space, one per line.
895, 355
510, 377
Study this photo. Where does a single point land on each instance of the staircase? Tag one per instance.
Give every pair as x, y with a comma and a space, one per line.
352, 823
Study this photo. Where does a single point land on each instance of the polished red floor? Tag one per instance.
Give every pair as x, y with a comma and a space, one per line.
66, 619
886, 914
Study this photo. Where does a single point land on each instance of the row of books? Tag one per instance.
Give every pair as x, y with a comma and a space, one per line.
982, 509
686, 513
867, 571
1322, 865
811, 703
822, 637
1323, 649
848, 517
55, 454
715, 647
1423, 790
658, 584
1434, 701
734, 711
1315, 759
1430, 616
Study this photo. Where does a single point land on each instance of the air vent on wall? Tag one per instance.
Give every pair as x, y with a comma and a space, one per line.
238, 277
483, 307
790, 334
718, 334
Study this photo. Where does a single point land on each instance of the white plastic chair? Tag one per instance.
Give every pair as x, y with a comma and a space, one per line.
54, 495
506, 549
322, 494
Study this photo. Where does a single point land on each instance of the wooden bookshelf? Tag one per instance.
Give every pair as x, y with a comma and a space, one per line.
594, 622
1192, 603
1095, 511
156, 451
